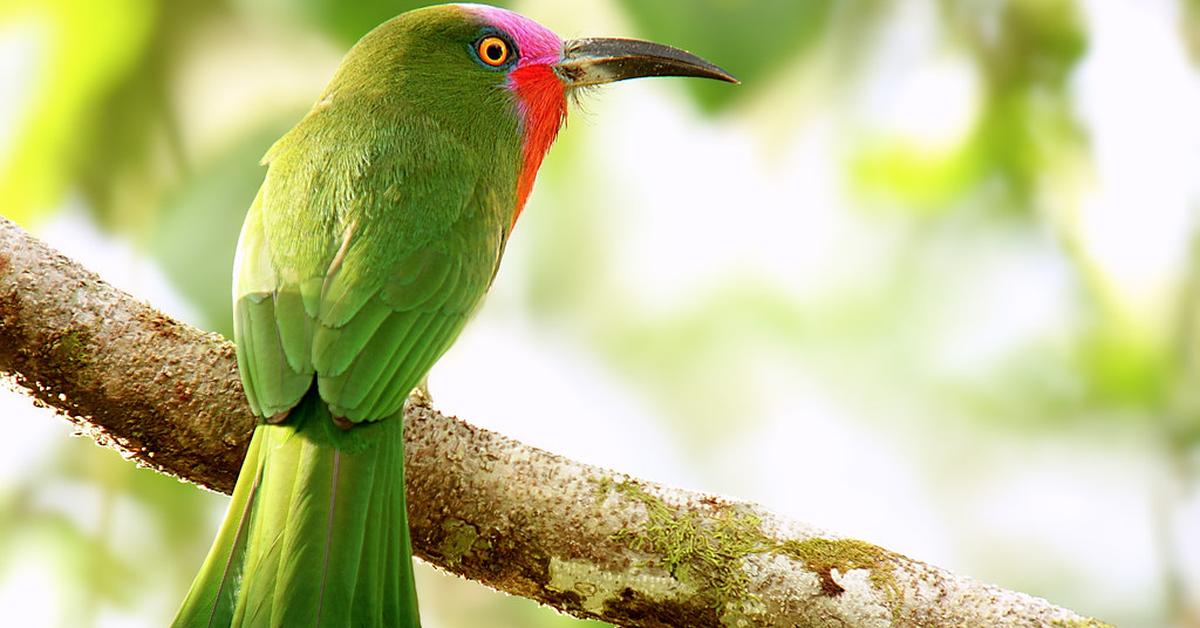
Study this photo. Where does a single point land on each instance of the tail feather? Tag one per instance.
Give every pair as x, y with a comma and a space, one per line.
223, 568
316, 534
333, 512
273, 500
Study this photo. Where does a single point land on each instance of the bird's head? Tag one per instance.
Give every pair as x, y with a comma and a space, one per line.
482, 71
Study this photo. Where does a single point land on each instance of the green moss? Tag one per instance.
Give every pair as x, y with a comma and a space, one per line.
458, 539
822, 556
707, 553
601, 486
71, 348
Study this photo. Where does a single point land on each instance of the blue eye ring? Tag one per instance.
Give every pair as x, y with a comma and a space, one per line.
494, 51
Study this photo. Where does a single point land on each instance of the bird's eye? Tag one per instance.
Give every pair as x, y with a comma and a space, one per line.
493, 51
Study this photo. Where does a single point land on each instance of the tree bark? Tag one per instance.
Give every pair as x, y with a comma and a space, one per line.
588, 541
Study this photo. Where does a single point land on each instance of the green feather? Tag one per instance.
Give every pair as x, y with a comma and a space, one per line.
414, 343
245, 358
389, 348
334, 348
295, 328
431, 271
446, 329
254, 608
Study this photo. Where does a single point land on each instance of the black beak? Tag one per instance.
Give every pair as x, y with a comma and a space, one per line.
596, 61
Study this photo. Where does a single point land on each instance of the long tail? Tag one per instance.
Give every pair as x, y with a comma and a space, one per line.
316, 534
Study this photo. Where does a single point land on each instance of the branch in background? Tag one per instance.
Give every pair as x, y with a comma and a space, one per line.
588, 541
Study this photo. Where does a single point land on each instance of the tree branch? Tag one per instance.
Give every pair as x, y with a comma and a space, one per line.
588, 541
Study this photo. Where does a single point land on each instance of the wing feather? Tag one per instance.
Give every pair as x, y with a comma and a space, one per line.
364, 296
334, 348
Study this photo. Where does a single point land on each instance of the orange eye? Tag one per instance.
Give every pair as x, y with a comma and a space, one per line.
492, 50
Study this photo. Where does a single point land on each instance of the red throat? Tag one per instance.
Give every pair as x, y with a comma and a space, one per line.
543, 105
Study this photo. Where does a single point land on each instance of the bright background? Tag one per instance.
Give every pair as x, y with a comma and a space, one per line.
930, 277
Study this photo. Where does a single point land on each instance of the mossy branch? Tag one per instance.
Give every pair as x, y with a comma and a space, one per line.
585, 540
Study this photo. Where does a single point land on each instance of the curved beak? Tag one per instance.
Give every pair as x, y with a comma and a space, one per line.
595, 61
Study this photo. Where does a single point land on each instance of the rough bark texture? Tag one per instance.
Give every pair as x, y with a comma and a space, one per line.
588, 541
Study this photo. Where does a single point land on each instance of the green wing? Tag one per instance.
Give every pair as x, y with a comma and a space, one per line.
359, 267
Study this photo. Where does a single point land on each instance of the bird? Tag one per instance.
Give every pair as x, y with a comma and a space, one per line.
377, 231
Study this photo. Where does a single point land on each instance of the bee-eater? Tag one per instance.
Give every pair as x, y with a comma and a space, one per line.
376, 232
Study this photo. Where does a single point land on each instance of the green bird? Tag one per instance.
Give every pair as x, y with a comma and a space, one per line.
374, 237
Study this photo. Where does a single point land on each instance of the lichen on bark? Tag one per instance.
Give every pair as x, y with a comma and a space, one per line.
697, 550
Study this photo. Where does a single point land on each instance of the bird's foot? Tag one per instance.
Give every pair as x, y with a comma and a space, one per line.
419, 396
343, 423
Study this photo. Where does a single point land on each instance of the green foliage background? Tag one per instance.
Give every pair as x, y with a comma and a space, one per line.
122, 119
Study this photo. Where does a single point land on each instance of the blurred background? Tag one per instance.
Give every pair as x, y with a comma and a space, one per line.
930, 277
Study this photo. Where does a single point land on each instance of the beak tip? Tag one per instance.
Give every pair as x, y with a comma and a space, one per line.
722, 75
719, 73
